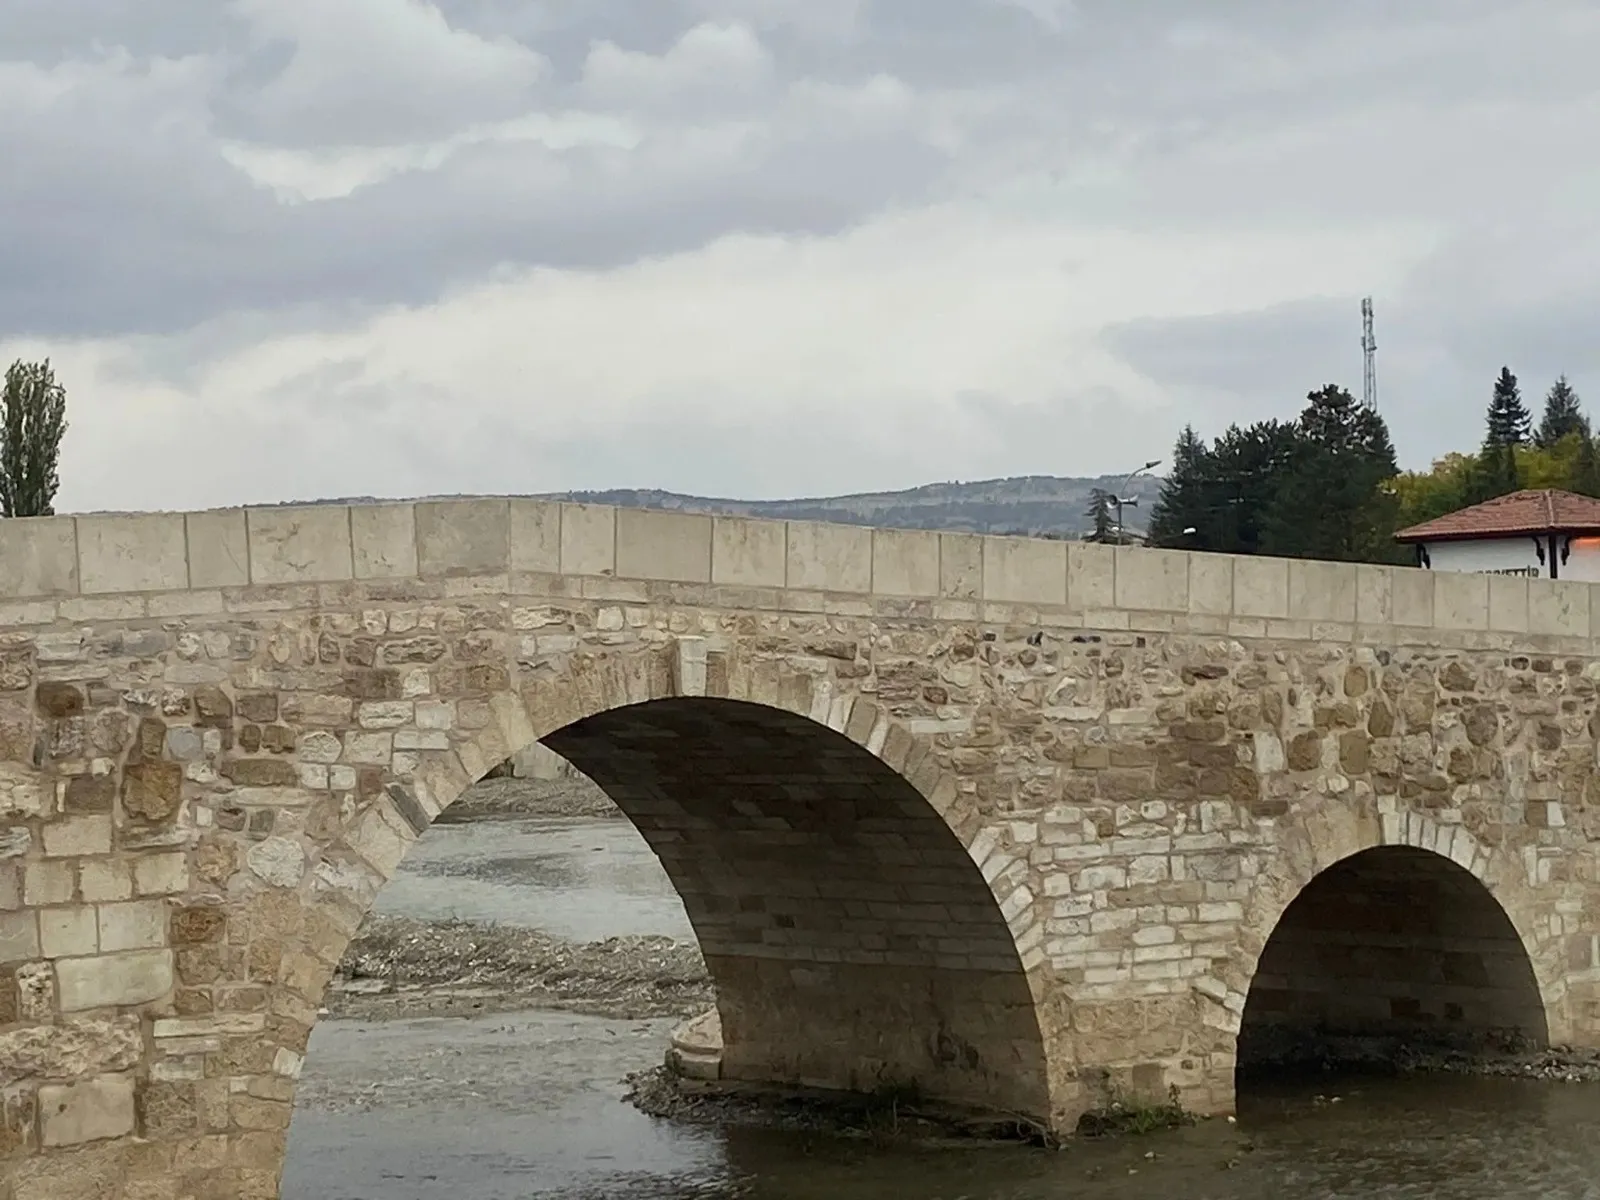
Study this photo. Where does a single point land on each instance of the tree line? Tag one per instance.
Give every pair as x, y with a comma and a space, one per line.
33, 420
1326, 484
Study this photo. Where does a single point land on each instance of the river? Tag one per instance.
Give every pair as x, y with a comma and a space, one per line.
523, 1105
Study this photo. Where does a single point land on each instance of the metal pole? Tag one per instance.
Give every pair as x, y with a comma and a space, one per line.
1123, 487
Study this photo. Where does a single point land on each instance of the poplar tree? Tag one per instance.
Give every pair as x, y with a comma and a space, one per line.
33, 419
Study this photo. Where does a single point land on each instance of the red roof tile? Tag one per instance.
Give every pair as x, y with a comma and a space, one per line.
1544, 510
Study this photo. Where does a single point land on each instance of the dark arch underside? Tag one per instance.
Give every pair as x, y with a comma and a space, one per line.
853, 942
1393, 947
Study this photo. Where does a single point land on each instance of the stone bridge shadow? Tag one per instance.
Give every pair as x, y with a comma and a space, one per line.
827, 868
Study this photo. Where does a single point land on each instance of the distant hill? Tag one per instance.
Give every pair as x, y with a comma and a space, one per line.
1023, 504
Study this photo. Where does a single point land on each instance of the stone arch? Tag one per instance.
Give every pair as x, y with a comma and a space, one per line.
1328, 841
902, 957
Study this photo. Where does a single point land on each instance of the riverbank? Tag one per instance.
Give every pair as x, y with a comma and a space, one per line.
1559, 1064
506, 798
1307, 1056
405, 966
398, 968
895, 1116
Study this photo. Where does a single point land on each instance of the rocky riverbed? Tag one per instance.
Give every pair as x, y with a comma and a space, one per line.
398, 967
401, 967
504, 797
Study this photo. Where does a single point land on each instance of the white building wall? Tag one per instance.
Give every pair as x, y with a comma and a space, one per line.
1583, 560
1493, 556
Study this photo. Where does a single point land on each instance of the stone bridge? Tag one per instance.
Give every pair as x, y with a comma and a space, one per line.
1021, 823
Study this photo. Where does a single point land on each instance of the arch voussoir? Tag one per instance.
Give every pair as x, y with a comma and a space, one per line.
1314, 847
598, 707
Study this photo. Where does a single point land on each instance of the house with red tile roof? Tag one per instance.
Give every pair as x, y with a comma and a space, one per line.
1542, 533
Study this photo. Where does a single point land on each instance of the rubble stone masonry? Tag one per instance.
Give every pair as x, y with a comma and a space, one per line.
1008, 820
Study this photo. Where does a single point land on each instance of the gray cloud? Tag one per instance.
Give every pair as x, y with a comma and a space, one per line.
47, 31
1449, 130
409, 239
97, 242
165, 232
1286, 350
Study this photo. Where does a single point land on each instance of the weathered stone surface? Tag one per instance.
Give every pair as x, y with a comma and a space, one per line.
19, 936
152, 790
22, 793
59, 700
1041, 806
92, 1110
278, 861
70, 1050
18, 741
198, 925
113, 980
78, 836
260, 772
90, 794
1305, 752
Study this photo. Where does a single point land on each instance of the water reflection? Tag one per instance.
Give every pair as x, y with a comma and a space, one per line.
530, 1105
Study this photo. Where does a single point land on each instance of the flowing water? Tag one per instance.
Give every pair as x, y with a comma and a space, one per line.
580, 879
511, 1107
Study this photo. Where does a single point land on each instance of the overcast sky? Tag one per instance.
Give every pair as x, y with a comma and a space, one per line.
283, 249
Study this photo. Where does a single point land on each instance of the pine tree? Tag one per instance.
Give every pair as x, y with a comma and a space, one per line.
1104, 528
33, 409
1563, 414
1507, 428
1182, 502
1508, 418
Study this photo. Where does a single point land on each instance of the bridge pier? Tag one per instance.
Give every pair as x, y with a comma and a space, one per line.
853, 942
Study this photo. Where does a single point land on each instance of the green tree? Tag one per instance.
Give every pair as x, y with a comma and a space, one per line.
1182, 502
1424, 495
1239, 479
1332, 500
1103, 528
1496, 471
1563, 415
33, 418
1573, 464
1585, 476
1508, 416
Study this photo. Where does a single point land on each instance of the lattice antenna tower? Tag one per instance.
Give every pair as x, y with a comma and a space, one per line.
1369, 365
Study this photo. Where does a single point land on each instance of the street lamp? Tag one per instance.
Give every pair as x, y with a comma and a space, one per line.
1132, 501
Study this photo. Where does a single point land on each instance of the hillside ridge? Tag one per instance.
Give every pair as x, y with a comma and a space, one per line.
1020, 505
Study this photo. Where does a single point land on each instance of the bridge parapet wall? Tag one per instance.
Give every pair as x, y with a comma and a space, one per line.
153, 565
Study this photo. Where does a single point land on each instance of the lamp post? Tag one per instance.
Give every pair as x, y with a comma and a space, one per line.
1119, 499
